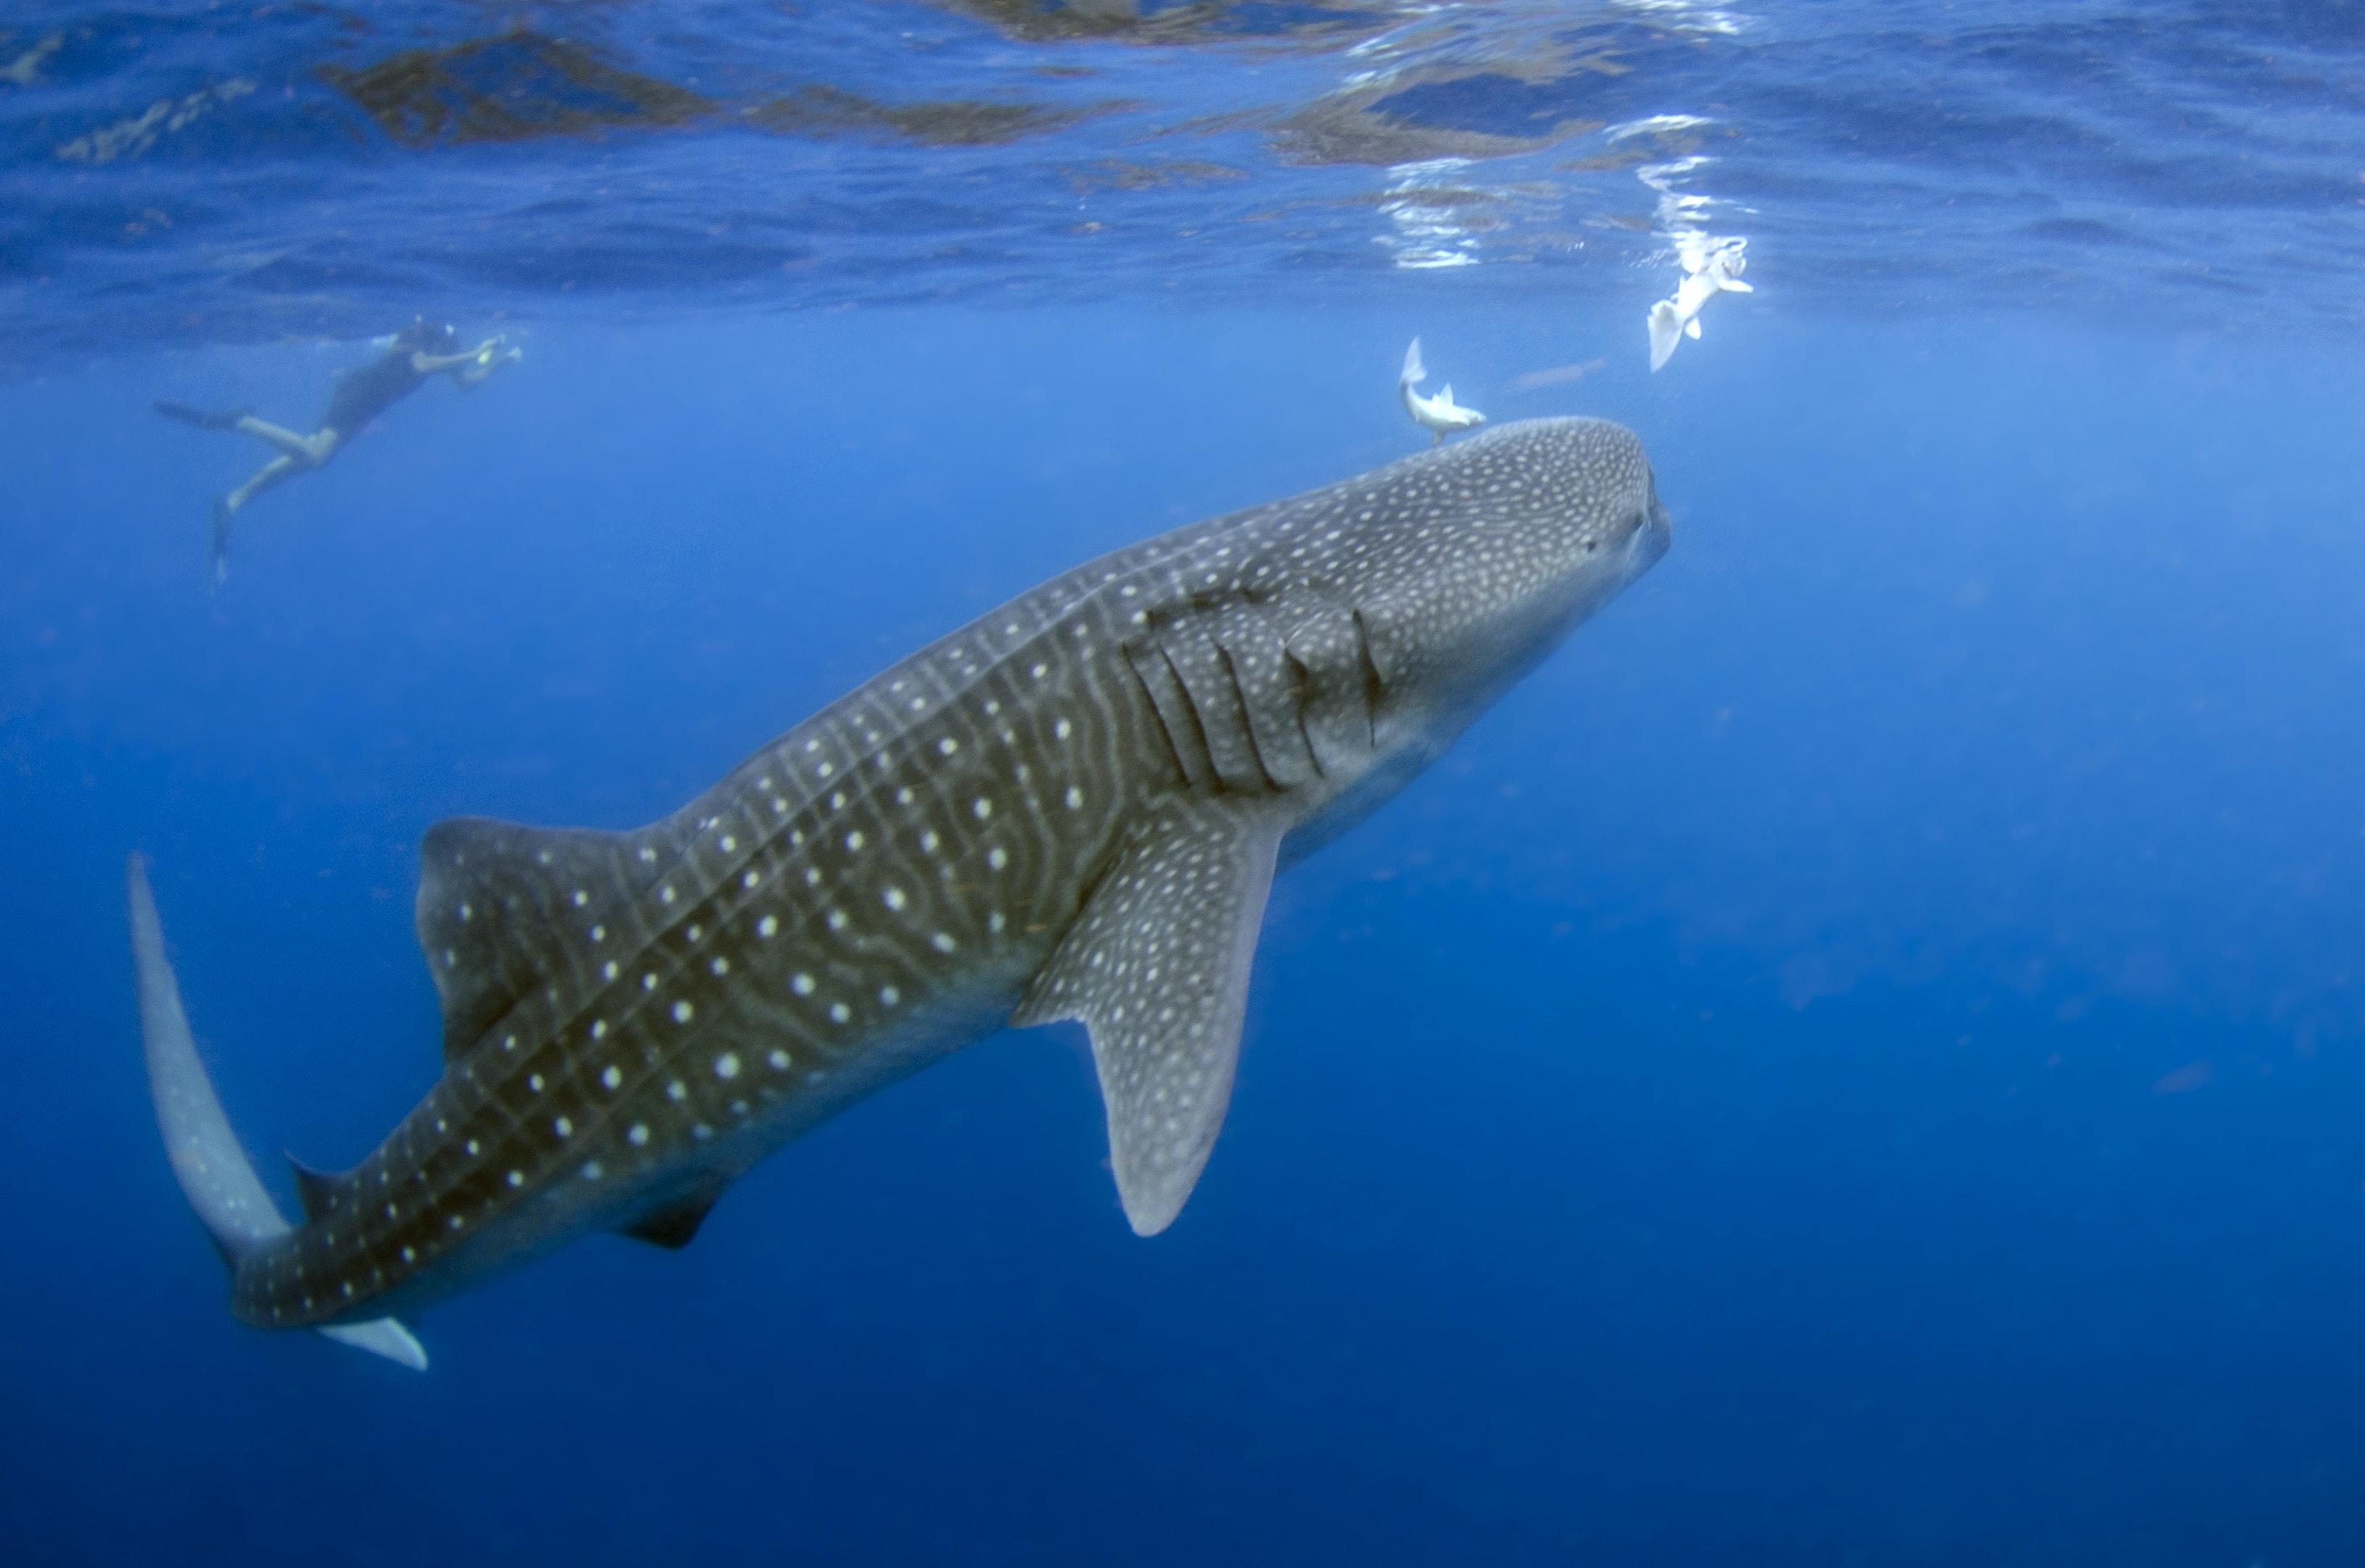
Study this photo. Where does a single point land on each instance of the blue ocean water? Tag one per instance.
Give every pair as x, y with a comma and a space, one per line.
1858, 1061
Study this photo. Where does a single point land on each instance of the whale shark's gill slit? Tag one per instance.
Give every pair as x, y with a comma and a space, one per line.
1230, 666
1193, 722
1161, 722
1301, 697
1374, 684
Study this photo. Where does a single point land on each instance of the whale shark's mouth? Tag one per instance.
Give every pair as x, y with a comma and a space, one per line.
1651, 540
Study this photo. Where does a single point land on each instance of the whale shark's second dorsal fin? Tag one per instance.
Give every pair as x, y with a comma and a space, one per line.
503, 908
316, 1191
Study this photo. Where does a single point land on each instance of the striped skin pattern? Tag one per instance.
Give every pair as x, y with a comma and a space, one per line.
1070, 808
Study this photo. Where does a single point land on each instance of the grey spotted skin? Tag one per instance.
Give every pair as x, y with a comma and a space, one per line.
1070, 808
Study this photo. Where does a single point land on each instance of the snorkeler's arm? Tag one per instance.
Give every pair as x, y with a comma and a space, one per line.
478, 363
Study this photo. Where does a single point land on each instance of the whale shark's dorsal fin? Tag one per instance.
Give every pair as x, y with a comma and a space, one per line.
503, 907
1156, 965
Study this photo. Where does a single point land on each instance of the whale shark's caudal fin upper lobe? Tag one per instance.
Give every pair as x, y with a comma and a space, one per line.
214, 1172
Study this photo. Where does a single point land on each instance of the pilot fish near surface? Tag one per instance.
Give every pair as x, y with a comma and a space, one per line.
1436, 415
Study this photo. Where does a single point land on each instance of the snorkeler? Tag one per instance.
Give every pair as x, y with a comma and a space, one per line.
410, 357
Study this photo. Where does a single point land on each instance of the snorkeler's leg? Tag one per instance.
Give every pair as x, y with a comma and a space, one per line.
230, 505
310, 453
266, 477
309, 450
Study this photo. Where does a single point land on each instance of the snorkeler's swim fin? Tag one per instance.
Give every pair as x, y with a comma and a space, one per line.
204, 419
220, 571
215, 1174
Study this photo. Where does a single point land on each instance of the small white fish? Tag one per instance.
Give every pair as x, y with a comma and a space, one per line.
1709, 271
26, 69
1436, 415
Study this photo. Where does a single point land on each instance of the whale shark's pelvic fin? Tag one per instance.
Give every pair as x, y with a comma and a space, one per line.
672, 1226
1157, 967
215, 1174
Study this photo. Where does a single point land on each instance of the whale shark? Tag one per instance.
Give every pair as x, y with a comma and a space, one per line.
1070, 808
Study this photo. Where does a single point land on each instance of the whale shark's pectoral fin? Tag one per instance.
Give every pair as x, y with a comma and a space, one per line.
1156, 965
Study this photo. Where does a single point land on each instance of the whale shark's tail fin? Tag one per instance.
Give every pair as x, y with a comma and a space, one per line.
1667, 328
1414, 372
214, 1172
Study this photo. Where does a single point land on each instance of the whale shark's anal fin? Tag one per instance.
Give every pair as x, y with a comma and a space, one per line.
215, 1174
1156, 966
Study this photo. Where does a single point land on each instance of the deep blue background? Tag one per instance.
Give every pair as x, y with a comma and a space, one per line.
1857, 1061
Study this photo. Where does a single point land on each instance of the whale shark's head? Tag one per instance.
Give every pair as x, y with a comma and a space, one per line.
1506, 541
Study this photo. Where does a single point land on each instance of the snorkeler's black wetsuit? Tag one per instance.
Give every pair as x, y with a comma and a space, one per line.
366, 393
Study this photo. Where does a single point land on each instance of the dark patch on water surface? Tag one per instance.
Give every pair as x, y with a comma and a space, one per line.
1429, 198
1193, 21
1369, 125
822, 110
2079, 232
1119, 174
516, 87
